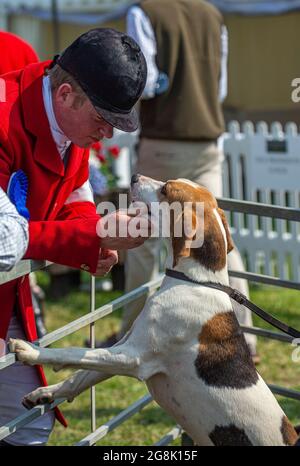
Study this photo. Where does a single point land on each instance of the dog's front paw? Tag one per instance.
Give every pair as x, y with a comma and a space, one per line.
25, 352
40, 396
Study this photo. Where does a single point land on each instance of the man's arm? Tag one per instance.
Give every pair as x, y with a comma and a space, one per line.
13, 234
224, 57
68, 242
140, 29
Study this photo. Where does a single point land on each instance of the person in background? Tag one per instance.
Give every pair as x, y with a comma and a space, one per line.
185, 43
16, 53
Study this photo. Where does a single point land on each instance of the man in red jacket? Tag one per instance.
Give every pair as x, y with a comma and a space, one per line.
17, 52
52, 113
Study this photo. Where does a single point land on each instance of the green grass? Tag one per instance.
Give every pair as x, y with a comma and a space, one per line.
276, 365
116, 394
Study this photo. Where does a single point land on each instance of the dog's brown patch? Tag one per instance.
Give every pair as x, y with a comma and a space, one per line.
289, 434
229, 436
212, 254
224, 359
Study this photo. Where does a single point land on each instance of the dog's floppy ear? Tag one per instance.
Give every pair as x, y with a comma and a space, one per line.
230, 244
182, 236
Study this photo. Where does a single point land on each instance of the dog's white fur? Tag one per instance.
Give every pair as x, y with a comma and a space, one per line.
161, 350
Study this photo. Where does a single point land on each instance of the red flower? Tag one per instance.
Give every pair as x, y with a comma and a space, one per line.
101, 157
114, 151
97, 146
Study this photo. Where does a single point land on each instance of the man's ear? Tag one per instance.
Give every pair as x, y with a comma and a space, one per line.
64, 94
230, 244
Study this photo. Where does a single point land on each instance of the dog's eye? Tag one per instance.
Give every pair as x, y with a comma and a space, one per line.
164, 190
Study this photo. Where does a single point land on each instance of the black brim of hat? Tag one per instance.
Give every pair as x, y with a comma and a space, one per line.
128, 122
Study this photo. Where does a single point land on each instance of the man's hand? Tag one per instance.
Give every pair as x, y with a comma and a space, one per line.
119, 230
107, 259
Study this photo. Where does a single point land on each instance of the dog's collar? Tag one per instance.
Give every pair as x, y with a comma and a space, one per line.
240, 299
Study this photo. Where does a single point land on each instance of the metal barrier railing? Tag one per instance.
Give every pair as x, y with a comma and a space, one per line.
94, 315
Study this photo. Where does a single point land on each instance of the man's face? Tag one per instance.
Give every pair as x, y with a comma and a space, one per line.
79, 122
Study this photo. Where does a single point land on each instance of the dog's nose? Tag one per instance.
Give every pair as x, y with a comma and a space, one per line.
135, 179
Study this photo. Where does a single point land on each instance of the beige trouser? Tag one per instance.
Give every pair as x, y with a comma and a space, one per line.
165, 160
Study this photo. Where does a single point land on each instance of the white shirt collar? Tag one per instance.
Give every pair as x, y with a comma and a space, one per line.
61, 140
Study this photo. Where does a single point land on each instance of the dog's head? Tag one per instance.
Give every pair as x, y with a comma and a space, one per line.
212, 227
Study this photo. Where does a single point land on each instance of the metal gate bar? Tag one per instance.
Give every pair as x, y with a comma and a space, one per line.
263, 210
170, 437
261, 332
20, 421
103, 430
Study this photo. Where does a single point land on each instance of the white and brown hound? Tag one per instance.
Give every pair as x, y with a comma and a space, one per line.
186, 344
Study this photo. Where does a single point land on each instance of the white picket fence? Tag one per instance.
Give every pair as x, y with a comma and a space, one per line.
261, 164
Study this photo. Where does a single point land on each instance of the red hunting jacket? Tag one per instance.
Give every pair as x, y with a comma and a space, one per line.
65, 234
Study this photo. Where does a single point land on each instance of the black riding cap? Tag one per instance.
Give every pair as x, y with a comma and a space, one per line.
111, 69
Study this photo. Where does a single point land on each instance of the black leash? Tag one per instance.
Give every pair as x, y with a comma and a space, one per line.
240, 299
